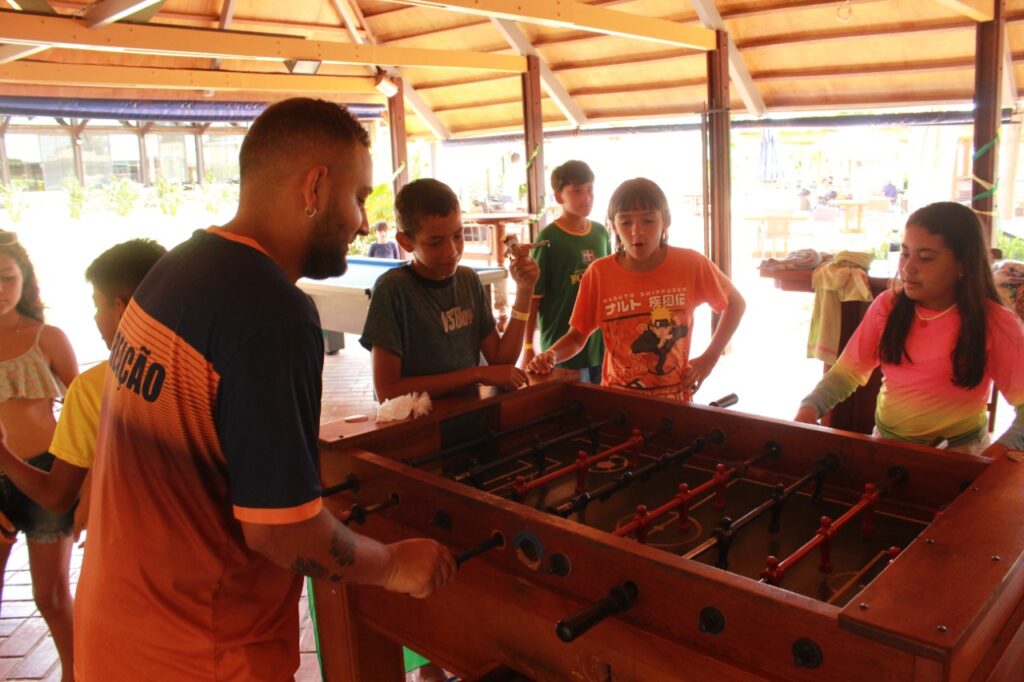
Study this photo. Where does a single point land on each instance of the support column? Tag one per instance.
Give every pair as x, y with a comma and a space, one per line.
533, 127
5, 166
719, 244
143, 154
988, 78
76, 148
399, 148
200, 157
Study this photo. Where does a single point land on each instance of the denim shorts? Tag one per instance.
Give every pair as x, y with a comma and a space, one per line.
38, 524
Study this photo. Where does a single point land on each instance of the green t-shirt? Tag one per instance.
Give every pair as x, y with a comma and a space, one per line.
561, 268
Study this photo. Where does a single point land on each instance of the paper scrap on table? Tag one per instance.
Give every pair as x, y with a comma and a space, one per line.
403, 407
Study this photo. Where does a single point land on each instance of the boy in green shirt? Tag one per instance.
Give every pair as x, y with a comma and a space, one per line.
575, 243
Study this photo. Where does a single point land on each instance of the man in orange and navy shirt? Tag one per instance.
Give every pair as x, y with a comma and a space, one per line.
206, 509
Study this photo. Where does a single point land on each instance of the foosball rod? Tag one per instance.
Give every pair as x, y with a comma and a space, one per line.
827, 464
775, 570
574, 408
358, 513
473, 473
496, 540
685, 497
580, 501
583, 462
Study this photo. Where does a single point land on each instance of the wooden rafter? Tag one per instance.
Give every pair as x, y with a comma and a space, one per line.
556, 91
107, 12
92, 75
361, 34
738, 72
565, 13
12, 53
67, 32
227, 13
978, 10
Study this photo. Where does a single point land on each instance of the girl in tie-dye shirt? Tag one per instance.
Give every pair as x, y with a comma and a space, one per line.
941, 337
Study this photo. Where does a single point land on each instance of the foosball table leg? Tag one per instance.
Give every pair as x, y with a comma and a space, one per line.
356, 652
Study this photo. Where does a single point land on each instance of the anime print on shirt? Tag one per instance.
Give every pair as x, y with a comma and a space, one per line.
647, 318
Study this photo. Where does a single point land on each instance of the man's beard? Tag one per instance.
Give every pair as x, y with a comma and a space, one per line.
326, 254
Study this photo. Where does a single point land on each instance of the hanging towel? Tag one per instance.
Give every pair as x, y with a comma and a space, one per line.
845, 278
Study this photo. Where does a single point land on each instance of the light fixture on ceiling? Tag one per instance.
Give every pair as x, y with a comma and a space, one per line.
385, 85
305, 67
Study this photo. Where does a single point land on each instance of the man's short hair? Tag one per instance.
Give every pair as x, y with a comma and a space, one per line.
118, 271
571, 173
295, 124
421, 199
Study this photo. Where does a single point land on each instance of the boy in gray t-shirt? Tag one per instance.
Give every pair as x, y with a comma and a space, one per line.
430, 321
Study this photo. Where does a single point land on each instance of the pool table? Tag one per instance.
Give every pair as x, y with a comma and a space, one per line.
343, 301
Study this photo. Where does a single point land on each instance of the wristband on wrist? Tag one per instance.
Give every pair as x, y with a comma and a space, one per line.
527, 346
520, 315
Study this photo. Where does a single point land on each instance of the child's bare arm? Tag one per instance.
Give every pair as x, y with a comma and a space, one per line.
56, 490
700, 367
566, 347
524, 271
388, 381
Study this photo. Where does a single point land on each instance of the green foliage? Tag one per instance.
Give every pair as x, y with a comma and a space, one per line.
13, 198
380, 205
122, 194
169, 196
77, 195
1012, 247
217, 194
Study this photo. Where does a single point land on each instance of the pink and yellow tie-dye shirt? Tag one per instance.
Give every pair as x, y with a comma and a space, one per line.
646, 318
918, 401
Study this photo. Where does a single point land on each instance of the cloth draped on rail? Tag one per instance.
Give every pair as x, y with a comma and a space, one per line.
844, 278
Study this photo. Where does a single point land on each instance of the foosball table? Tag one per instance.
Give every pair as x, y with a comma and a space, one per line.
602, 535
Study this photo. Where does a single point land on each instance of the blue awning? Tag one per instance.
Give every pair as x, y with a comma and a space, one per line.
150, 110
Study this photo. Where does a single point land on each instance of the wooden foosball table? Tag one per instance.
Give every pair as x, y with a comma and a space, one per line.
603, 535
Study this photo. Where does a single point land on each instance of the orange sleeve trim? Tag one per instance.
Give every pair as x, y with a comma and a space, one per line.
277, 517
248, 241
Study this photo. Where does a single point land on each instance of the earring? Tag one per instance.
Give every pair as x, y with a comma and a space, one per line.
310, 212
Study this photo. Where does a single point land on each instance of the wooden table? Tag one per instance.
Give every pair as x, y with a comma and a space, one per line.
949, 607
856, 413
851, 207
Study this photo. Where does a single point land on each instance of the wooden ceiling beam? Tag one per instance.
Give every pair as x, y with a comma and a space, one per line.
567, 13
360, 32
12, 53
94, 75
69, 33
227, 13
556, 91
106, 12
978, 10
739, 74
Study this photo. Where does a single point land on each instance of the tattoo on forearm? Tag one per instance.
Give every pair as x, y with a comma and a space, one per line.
342, 550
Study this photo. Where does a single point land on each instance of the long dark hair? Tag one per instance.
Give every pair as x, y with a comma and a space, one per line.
962, 233
29, 305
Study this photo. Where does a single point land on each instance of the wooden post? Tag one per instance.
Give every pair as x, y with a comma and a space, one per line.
200, 157
143, 154
988, 77
533, 128
5, 167
399, 148
719, 247
350, 650
76, 148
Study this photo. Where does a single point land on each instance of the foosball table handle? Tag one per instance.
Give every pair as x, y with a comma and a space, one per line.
725, 401
619, 599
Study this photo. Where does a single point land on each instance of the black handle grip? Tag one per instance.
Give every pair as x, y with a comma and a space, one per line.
350, 483
496, 540
619, 599
725, 401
